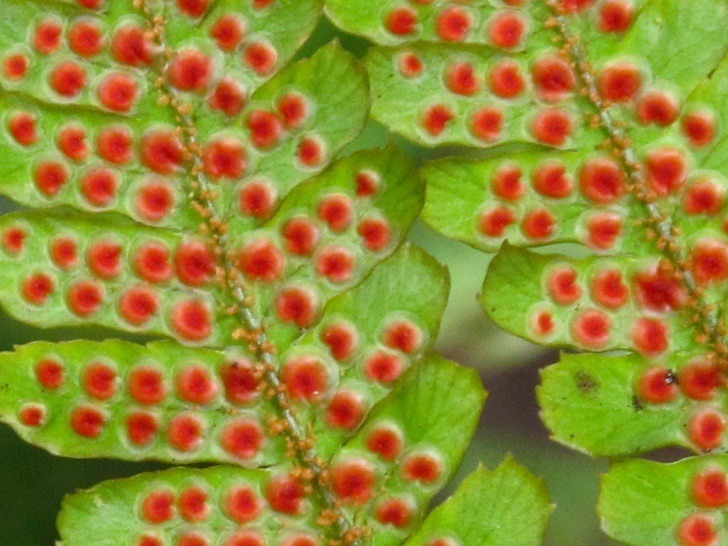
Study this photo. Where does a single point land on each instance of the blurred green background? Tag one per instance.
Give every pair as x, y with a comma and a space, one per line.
34, 482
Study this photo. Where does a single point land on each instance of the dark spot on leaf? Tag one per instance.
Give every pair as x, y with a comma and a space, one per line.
586, 383
637, 404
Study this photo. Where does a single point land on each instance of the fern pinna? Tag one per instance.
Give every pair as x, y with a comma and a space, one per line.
187, 188
604, 125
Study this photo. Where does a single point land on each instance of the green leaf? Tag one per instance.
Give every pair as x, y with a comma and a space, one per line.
506, 506
645, 503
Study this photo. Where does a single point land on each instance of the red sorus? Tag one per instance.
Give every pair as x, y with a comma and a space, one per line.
552, 127
487, 123
562, 285
245, 538
261, 57
553, 77
657, 107
67, 79
700, 379
228, 32
616, 15
285, 494
37, 287
367, 183
261, 260
15, 67
300, 539
542, 323
242, 439
196, 385
138, 304
191, 320
22, 127
130, 46
706, 429
697, 530
506, 30
336, 210
224, 158
49, 373
550, 180
240, 381
703, 196
114, 144
538, 224
192, 504
190, 70
402, 335
657, 385
505, 79
619, 82
667, 169
103, 258
396, 512
601, 180
32, 415
591, 328
64, 252
709, 261
158, 506
296, 305
384, 368
410, 65
257, 199
71, 141
311, 152
154, 200
118, 92
698, 128
336, 264
345, 411
300, 235
607, 288
87, 421
13, 239
266, 128
99, 380
602, 230
141, 428
50, 177
575, 6
506, 183
453, 24
709, 488
341, 338
386, 441
659, 290
99, 186
194, 263
85, 38
193, 8
192, 538
375, 233
650, 336
436, 118
228, 97
242, 504
305, 378
84, 298
184, 432
162, 151
294, 109
47, 36
91, 4
353, 480
151, 261
401, 21
262, 4
460, 78
425, 468
146, 385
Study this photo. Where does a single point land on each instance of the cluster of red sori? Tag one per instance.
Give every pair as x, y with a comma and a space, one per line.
699, 380
708, 489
